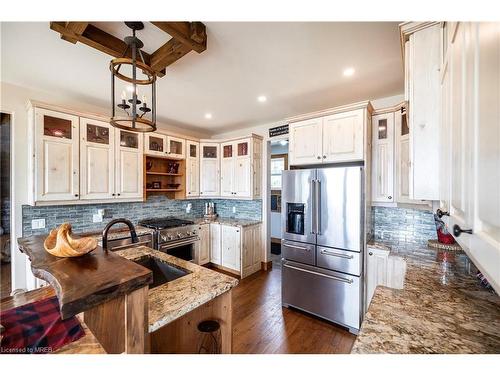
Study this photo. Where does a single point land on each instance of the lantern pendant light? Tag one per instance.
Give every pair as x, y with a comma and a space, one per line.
132, 116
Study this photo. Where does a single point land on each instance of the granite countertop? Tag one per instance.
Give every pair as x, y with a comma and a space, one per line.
442, 308
226, 221
176, 298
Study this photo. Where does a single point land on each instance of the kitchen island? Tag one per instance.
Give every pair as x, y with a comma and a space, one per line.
442, 308
110, 292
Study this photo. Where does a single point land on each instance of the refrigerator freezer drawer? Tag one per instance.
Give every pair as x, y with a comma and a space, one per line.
339, 260
331, 295
297, 251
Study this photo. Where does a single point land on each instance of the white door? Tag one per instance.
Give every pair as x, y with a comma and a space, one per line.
383, 158
155, 144
129, 162
403, 164
343, 137
305, 142
57, 156
192, 169
485, 241
461, 133
376, 268
227, 165
231, 247
176, 147
97, 159
242, 170
209, 170
204, 244
215, 244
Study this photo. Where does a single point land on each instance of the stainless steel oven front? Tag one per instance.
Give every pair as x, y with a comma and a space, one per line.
183, 248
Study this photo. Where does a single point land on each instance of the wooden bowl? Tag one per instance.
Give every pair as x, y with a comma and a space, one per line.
62, 243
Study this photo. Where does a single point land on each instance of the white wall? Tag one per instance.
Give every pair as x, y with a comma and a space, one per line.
13, 99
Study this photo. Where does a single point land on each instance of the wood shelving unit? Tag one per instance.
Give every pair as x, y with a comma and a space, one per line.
159, 170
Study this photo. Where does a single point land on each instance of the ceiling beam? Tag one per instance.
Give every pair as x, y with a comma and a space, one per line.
192, 34
167, 54
76, 27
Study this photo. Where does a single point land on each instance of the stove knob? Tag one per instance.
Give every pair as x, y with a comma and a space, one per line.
163, 238
179, 235
189, 233
170, 237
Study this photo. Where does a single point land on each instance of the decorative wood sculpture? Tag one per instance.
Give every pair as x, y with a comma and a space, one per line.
61, 243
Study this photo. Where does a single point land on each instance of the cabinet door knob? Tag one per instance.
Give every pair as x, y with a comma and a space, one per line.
118, 194
370, 253
389, 197
319, 157
457, 231
441, 213
113, 194
76, 195
324, 156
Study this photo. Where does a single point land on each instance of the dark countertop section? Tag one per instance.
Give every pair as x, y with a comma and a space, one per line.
84, 282
442, 308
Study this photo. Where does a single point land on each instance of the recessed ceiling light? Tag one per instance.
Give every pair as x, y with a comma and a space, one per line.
208, 116
348, 72
262, 99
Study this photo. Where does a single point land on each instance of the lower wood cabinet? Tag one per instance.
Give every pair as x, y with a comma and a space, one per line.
383, 270
235, 248
203, 245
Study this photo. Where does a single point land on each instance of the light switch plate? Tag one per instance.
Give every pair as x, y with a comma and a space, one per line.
234, 209
96, 218
37, 223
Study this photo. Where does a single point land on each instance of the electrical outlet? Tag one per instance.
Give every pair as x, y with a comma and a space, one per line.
37, 223
96, 218
234, 209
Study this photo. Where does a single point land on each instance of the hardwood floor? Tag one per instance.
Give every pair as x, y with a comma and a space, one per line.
262, 326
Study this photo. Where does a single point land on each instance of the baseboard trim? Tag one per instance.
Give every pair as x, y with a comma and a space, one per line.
266, 266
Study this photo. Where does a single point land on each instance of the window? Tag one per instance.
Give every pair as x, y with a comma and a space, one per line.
277, 167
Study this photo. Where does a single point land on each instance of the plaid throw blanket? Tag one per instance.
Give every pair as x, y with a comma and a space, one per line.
37, 328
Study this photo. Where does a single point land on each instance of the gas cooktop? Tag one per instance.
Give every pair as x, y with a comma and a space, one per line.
165, 222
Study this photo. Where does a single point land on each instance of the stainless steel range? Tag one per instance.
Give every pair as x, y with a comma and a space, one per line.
174, 236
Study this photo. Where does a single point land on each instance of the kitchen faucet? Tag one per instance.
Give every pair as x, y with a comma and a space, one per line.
113, 222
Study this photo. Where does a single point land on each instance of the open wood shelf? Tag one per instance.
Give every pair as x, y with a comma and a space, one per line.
164, 174
162, 190
160, 172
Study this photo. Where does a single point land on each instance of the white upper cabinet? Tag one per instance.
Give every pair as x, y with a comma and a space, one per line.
155, 144
56, 156
404, 174
383, 157
422, 63
192, 169
236, 169
97, 159
129, 161
227, 163
209, 169
176, 147
343, 137
339, 135
158, 144
305, 145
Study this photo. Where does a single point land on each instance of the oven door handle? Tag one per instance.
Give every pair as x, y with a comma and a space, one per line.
171, 245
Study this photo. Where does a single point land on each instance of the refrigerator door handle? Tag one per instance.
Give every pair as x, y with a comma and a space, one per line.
326, 252
296, 247
344, 280
317, 197
313, 206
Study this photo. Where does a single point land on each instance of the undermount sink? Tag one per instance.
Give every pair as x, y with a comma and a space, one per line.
162, 271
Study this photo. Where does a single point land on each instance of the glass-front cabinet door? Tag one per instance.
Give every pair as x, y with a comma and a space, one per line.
176, 147
129, 164
155, 144
56, 156
97, 159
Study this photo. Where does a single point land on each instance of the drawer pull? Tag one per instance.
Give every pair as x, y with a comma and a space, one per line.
344, 280
297, 247
326, 252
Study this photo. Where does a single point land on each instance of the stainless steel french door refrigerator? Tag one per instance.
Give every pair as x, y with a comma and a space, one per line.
322, 243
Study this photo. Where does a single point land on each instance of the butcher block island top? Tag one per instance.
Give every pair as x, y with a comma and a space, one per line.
177, 298
84, 282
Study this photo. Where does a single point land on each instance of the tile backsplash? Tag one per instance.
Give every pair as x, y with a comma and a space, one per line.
403, 224
80, 216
